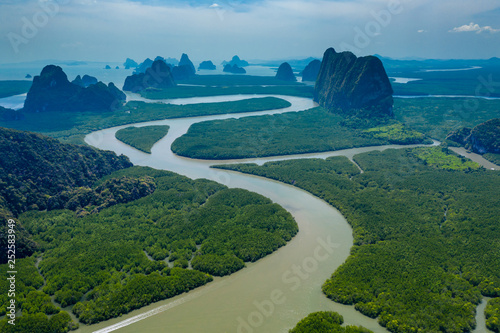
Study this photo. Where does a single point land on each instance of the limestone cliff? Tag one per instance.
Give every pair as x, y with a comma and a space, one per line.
285, 73
310, 73
157, 76
348, 84
51, 91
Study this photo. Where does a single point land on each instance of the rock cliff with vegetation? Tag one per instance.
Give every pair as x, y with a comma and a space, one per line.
85, 81
157, 76
482, 139
234, 69
35, 169
209, 65
130, 63
51, 91
285, 73
235, 61
351, 85
310, 73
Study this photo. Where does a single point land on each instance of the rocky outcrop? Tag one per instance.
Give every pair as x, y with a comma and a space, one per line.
485, 137
84, 81
310, 73
129, 63
234, 69
235, 61
285, 73
51, 91
144, 66
482, 139
208, 65
186, 62
350, 85
157, 76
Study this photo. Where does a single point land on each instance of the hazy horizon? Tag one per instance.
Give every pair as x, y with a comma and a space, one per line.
113, 30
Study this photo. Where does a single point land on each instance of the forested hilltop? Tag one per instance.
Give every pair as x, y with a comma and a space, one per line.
36, 170
427, 238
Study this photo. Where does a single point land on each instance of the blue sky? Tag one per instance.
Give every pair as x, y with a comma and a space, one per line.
111, 30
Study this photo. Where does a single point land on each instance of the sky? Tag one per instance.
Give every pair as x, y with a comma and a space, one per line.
112, 30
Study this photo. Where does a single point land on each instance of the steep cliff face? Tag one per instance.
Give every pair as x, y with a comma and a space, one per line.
285, 73
347, 84
157, 76
51, 91
185, 61
482, 139
310, 73
485, 137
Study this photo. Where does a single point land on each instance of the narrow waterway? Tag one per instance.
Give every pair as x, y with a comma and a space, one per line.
271, 295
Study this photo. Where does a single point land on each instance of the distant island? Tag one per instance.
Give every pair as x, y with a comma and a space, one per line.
51, 91
156, 76
234, 69
129, 63
285, 73
310, 73
235, 61
207, 65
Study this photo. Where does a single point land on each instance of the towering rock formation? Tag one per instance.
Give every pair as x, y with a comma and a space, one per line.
485, 137
347, 84
130, 63
51, 91
186, 62
157, 76
310, 73
285, 73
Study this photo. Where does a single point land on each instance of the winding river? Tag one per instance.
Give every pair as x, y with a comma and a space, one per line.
271, 295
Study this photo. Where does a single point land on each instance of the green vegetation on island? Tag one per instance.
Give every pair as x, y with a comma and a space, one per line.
96, 262
427, 239
437, 117
397, 133
445, 159
103, 246
314, 130
325, 322
494, 158
492, 313
71, 127
142, 138
14, 87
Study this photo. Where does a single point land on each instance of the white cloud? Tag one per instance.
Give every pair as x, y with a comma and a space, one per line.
421, 31
474, 27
